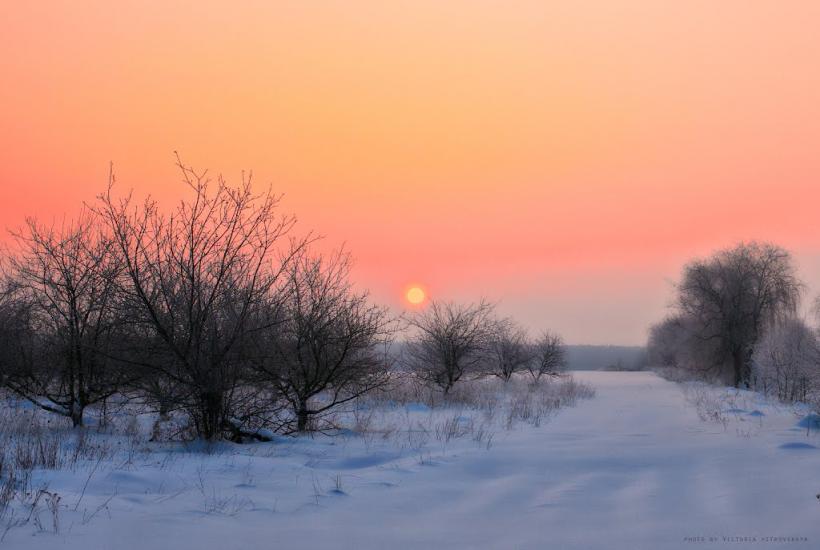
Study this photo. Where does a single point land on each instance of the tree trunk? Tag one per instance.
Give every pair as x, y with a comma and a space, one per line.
76, 416
211, 415
737, 366
164, 407
741, 367
302, 418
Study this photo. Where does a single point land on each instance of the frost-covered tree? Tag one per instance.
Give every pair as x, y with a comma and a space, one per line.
787, 362
731, 297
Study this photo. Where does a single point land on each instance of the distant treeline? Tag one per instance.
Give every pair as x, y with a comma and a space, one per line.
587, 357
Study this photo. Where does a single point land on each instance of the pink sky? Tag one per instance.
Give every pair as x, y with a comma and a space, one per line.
565, 158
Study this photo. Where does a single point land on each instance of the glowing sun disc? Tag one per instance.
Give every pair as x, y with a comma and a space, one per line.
415, 295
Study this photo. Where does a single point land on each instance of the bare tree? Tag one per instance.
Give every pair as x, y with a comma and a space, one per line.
66, 310
326, 344
194, 280
548, 356
677, 344
509, 349
451, 340
733, 296
21, 343
667, 342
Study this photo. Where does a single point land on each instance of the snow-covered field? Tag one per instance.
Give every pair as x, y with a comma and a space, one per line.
646, 463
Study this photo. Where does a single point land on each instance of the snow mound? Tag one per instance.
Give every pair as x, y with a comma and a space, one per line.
810, 422
797, 445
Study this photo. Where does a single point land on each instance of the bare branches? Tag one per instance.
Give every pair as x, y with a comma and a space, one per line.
327, 340
213, 310
509, 349
451, 340
196, 277
548, 356
726, 303
63, 298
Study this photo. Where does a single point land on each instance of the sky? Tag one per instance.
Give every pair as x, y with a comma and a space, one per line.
564, 159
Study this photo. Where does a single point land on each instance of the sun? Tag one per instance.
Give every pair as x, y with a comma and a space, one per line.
415, 295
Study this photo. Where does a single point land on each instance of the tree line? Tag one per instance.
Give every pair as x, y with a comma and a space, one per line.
736, 319
217, 310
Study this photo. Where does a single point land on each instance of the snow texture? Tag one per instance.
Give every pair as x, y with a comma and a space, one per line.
634, 468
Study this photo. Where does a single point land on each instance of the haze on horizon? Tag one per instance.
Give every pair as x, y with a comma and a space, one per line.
565, 160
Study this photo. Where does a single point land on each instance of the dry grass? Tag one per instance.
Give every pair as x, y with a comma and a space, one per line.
31, 440
474, 409
407, 416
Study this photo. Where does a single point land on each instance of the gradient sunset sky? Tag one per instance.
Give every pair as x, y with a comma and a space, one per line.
562, 157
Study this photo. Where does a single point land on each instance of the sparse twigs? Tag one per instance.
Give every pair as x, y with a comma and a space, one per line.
8, 487
535, 403
87, 481
417, 436
53, 505
32, 504
475, 409
708, 403
88, 516
453, 427
27, 444
483, 436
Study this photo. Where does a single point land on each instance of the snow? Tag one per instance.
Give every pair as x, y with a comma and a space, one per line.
633, 468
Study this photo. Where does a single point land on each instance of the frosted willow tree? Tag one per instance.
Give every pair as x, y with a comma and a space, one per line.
732, 297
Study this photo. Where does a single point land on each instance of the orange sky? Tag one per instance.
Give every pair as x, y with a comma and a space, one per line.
563, 157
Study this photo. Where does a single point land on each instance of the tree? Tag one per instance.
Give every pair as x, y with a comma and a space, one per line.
509, 350
195, 279
64, 316
548, 356
676, 343
451, 340
327, 344
21, 344
787, 362
733, 296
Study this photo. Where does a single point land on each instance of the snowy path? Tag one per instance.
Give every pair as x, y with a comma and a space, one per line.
634, 468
